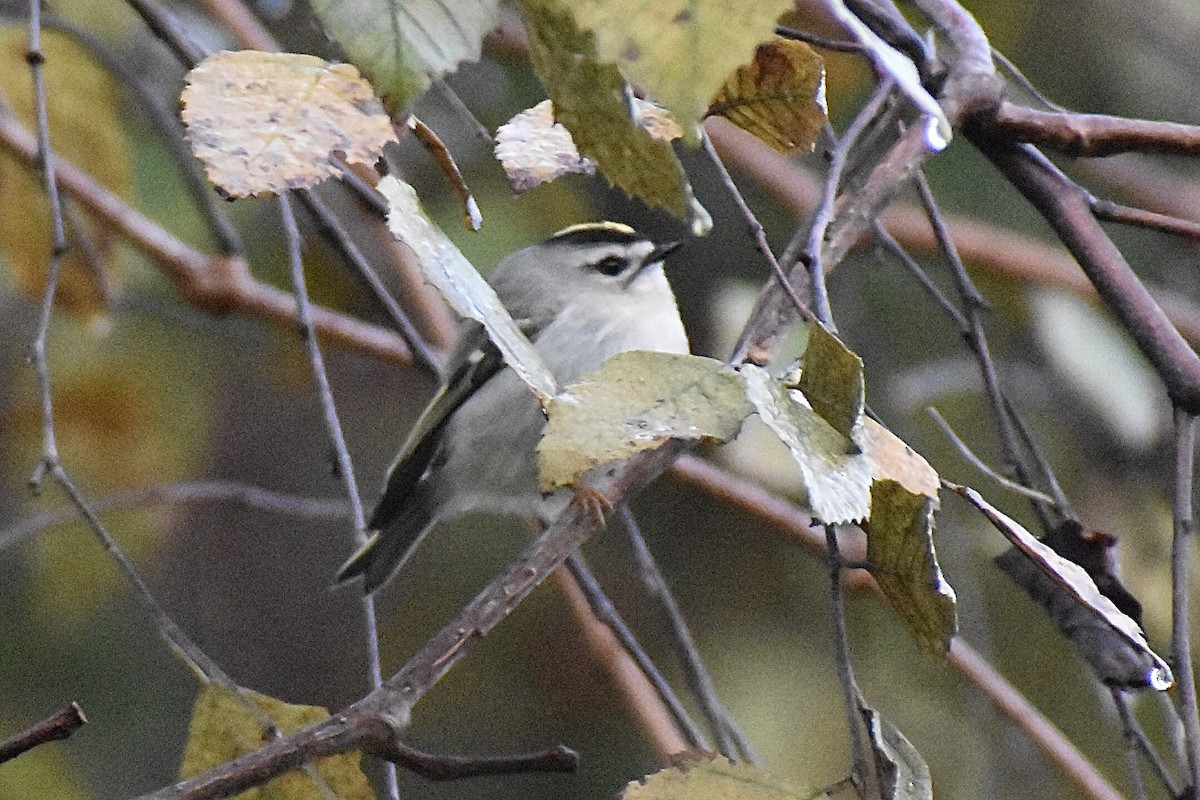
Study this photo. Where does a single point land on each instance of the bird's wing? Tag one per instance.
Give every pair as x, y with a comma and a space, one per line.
474, 361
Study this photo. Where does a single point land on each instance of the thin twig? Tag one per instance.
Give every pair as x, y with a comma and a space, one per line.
1137, 787
1078, 134
453, 768
1142, 744
731, 742
423, 354
863, 768
825, 208
756, 230
978, 463
333, 429
185, 492
1109, 211
824, 42
974, 305
603, 608
1181, 550
889, 243
55, 727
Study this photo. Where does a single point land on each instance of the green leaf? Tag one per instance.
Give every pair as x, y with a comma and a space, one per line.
400, 44
638, 401
464, 289
264, 123
836, 476
594, 103
716, 778
779, 96
832, 380
223, 728
679, 51
904, 563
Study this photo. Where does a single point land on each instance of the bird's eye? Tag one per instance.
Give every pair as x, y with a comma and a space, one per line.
610, 265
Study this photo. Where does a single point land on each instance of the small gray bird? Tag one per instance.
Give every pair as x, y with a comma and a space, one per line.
581, 296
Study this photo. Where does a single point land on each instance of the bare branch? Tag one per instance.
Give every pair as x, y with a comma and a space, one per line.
55, 727
1093, 134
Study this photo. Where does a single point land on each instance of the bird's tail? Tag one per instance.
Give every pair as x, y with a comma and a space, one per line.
390, 547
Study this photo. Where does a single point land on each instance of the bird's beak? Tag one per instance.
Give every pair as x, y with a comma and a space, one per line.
655, 256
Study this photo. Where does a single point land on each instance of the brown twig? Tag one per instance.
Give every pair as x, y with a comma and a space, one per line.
1064, 205
1093, 134
643, 701
219, 284
59, 725
781, 515
376, 722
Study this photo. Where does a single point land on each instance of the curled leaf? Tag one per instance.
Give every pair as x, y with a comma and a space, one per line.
904, 563
832, 380
679, 51
592, 100
779, 96
1110, 641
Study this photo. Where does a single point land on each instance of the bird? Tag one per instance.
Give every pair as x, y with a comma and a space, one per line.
582, 296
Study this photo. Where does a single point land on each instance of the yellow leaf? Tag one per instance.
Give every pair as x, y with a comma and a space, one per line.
222, 729
679, 51
83, 107
904, 563
638, 400
263, 123
717, 778
779, 96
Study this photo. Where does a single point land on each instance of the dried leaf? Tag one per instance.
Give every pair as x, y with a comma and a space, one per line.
399, 44
832, 380
83, 108
779, 96
836, 476
892, 459
1112, 643
222, 728
903, 773
464, 289
263, 123
904, 563
593, 102
534, 149
638, 401
679, 51
715, 778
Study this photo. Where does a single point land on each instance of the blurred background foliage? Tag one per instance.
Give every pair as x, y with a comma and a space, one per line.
149, 390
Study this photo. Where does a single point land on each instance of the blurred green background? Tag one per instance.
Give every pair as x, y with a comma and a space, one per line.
150, 390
